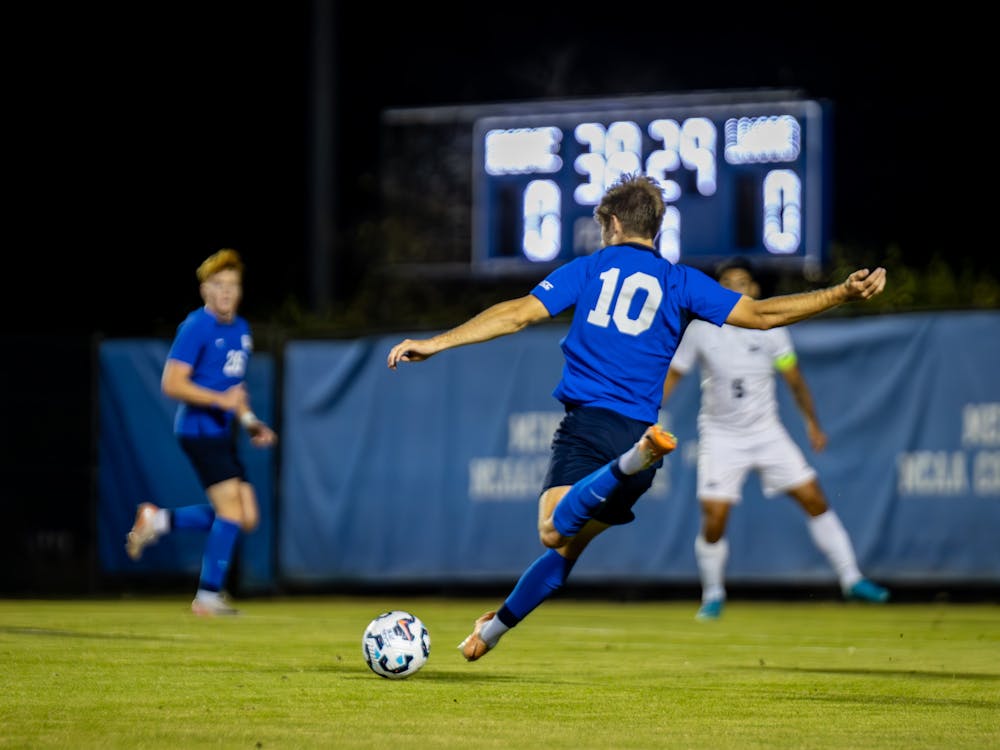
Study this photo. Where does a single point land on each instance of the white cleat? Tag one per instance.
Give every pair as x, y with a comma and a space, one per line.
143, 532
212, 606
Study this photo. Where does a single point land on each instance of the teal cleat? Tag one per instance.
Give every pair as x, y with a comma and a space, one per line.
710, 610
867, 591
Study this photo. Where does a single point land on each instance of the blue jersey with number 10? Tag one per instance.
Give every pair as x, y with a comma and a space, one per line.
631, 309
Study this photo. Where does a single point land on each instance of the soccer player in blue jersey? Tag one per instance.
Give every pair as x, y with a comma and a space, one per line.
205, 371
630, 309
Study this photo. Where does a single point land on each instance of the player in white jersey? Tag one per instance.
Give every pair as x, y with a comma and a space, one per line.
740, 430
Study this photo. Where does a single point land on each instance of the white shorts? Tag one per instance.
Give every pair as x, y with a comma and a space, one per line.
725, 459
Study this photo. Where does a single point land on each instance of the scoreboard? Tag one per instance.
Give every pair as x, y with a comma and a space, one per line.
742, 173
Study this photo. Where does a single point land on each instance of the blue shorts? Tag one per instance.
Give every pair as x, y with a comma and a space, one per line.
215, 459
588, 438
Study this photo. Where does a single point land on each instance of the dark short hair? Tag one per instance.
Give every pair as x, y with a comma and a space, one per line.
637, 200
737, 261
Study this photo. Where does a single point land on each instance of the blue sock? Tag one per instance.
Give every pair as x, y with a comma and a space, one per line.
198, 517
584, 497
538, 582
218, 552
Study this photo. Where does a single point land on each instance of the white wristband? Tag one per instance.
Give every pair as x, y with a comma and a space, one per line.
248, 419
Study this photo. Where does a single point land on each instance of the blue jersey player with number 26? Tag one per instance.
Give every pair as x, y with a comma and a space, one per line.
205, 373
630, 310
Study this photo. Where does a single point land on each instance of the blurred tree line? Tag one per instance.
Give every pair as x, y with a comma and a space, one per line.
407, 259
410, 296
962, 283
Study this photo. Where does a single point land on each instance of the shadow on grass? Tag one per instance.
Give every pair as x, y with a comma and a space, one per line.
53, 633
349, 669
923, 674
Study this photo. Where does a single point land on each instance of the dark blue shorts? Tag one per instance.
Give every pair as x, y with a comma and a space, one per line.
215, 459
588, 438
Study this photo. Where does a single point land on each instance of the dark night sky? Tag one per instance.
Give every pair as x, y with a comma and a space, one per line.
140, 138
155, 135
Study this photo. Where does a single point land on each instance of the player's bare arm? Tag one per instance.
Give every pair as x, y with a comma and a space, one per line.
501, 319
261, 435
176, 383
789, 308
804, 401
670, 382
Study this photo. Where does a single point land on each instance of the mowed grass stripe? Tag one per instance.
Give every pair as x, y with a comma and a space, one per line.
288, 673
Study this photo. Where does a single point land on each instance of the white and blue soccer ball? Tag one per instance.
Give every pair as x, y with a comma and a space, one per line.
396, 644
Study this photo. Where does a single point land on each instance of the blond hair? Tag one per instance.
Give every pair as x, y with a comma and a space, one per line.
223, 260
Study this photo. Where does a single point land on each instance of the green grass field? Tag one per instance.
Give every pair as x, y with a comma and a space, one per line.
288, 673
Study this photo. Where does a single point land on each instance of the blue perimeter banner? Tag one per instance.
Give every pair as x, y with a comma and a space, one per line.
140, 460
430, 474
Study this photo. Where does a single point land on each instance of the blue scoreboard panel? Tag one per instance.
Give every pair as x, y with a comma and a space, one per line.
742, 174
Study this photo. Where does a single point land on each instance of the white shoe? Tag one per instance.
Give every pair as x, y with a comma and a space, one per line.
212, 605
143, 532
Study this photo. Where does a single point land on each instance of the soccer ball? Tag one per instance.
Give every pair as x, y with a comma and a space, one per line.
396, 644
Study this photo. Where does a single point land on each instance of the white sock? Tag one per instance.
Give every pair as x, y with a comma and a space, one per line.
830, 536
492, 630
208, 596
161, 521
711, 566
632, 461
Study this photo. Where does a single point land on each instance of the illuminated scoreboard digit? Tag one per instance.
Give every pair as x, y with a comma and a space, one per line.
739, 177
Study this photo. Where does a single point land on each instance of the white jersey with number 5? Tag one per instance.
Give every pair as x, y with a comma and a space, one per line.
737, 368
739, 427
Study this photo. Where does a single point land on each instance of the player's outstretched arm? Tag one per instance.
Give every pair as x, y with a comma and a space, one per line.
789, 308
501, 319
